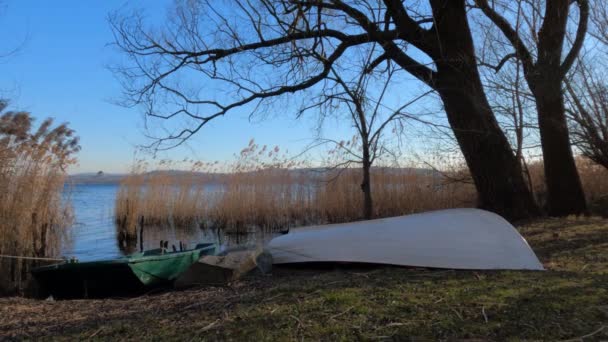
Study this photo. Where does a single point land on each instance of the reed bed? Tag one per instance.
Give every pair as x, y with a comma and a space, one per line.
395, 191
159, 198
271, 198
264, 189
34, 214
594, 179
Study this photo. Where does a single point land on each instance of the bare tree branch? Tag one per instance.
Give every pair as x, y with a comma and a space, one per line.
510, 33
581, 31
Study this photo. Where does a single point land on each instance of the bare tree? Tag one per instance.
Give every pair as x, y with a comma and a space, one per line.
369, 115
7, 52
507, 90
599, 21
545, 77
262, 50
511, 103
589, 113
587, 91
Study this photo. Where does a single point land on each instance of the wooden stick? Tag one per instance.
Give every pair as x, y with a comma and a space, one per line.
30, 258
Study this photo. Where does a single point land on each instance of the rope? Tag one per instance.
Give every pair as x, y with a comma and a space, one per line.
30, 258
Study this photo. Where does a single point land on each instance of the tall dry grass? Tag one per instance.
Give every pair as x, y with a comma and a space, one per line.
396, 191
260, 190
265, 189
34, 217
594, 179
158, 198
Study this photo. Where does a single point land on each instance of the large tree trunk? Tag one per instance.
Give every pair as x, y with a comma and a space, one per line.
565, 194
495, 170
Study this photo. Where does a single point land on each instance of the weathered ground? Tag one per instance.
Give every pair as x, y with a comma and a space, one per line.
569, 301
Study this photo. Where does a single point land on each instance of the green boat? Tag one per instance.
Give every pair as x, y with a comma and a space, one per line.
130, 275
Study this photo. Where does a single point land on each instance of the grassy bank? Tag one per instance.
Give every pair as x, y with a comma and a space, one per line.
568, 301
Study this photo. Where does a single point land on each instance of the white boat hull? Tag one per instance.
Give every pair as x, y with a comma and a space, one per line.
455, 238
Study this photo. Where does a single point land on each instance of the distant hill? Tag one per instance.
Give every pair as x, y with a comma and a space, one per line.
115, 178
94, 178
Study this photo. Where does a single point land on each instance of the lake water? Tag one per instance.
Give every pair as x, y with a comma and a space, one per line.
94, 231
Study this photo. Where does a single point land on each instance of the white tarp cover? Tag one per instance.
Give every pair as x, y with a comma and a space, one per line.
455, 238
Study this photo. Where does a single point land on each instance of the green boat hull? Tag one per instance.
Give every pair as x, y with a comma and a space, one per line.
131, 275
151, 270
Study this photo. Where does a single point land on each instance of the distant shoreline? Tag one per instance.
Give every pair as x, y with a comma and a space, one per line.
115, 178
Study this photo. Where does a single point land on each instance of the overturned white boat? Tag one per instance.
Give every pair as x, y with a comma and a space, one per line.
455, 238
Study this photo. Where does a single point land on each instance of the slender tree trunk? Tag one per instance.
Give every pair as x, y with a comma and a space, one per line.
366, 185
495, 169
565, 194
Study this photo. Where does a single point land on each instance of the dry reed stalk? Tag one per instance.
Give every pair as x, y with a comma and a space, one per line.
35, 216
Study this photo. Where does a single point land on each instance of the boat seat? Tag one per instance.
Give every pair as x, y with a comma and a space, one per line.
203, 245
156, 251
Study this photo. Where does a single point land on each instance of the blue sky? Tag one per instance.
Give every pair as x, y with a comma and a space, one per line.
60, 71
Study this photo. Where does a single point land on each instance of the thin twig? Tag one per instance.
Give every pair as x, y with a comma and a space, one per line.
300, 324
209, 326
457, 313
342, 313
96, 332
588, 335
273, 297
